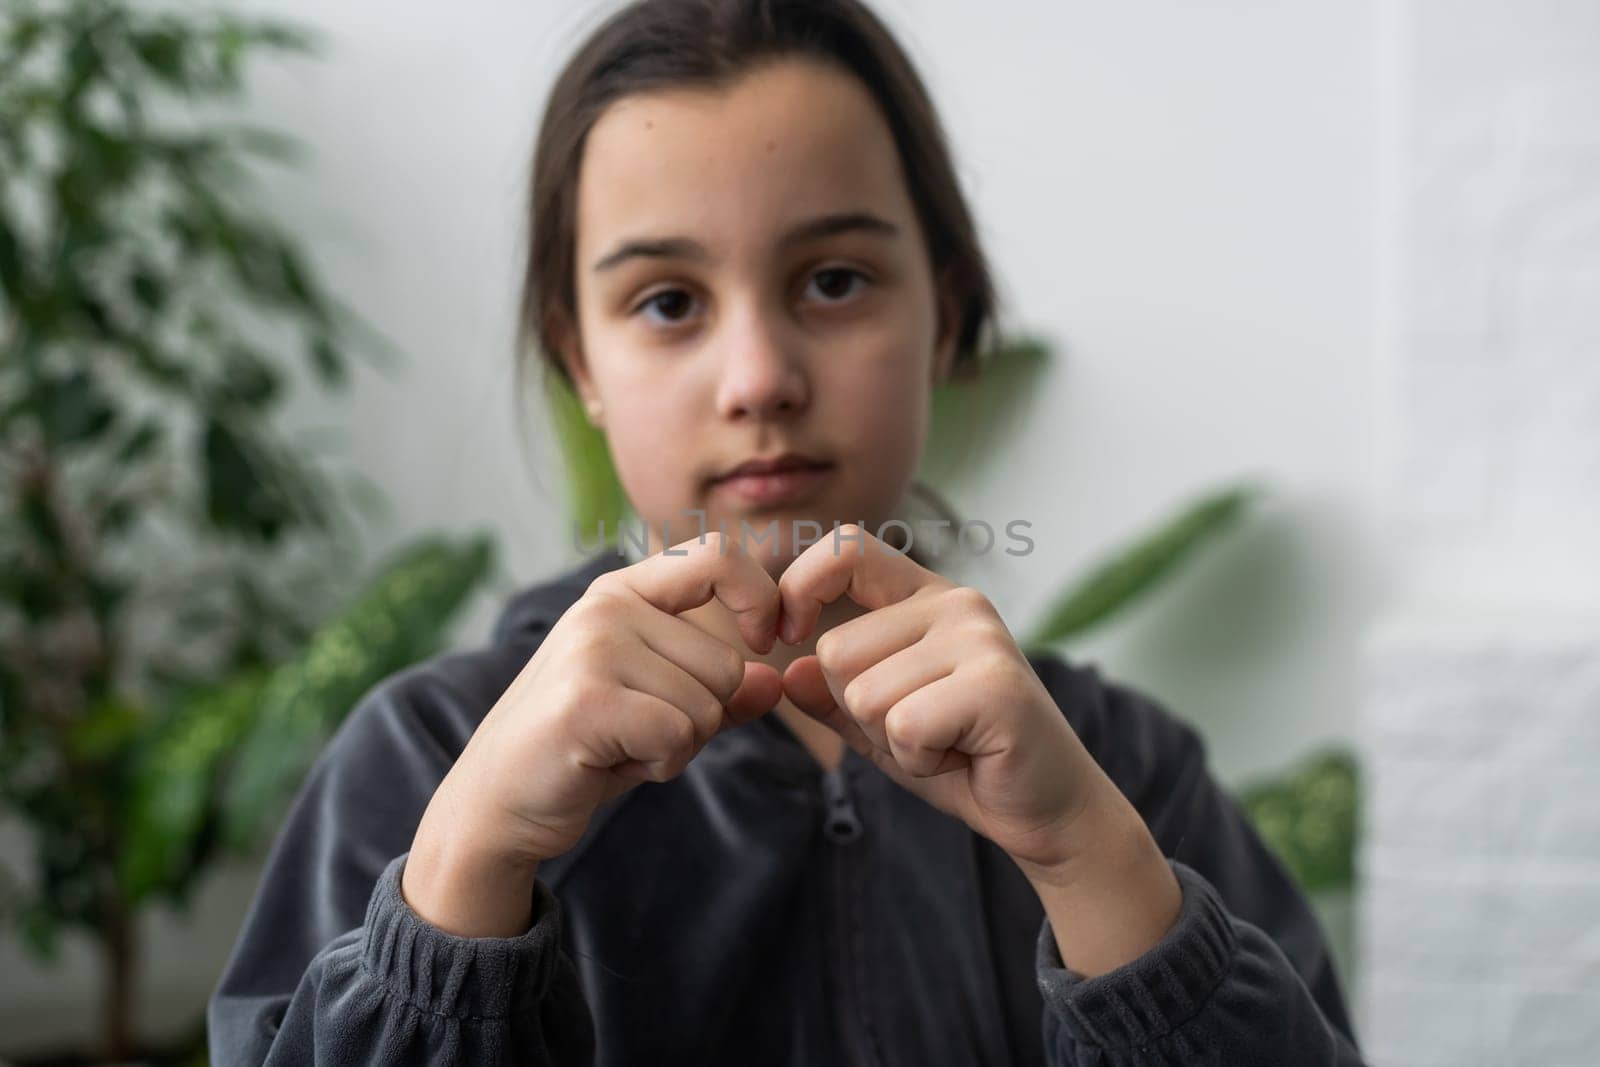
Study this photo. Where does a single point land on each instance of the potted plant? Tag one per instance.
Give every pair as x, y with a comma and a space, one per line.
178, 628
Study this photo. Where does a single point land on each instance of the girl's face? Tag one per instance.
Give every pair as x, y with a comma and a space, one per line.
751, 281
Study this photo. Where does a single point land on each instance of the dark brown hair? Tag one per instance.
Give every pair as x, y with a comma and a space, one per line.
656, 44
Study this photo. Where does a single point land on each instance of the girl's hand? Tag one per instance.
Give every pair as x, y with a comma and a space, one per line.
931, 687
620, 691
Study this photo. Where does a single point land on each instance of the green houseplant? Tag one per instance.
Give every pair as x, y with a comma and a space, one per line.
177, 631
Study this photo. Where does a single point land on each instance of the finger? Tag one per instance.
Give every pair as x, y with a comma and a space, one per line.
652, 673
854, 646
647, 743
758, 694
848, 561
640, 729
746, 689
713, 662
935, 729
868, 697
807, 689
689, 574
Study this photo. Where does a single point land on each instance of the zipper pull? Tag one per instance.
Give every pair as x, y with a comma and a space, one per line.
840, 822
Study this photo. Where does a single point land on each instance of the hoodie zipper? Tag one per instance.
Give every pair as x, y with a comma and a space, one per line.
840, 821
842, 827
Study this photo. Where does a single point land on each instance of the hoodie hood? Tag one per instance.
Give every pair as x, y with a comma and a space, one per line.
538, 606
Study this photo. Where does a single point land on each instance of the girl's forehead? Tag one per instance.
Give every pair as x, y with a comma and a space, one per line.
791, 140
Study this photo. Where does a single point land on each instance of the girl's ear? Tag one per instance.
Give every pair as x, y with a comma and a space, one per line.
569, 349
948, 332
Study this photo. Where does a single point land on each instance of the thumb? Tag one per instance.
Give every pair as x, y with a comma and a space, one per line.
758, 694
807, 688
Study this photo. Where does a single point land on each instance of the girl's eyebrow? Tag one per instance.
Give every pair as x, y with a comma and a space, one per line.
811, 230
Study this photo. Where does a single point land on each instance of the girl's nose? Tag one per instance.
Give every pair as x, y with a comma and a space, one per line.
762, 376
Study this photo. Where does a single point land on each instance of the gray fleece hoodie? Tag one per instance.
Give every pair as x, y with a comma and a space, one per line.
758, 910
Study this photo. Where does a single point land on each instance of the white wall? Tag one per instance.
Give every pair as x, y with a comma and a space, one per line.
1183, 196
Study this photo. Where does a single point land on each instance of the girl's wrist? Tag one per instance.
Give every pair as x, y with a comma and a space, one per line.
1114, 900
460, 878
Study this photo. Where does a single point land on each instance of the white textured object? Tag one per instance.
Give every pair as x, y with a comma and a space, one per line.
1480, 864
1480, 861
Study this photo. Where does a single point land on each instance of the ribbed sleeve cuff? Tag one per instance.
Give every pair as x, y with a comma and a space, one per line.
463, 977
1147, 998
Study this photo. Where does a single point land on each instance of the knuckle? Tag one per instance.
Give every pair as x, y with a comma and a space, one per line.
969, 602
997, 674
607, 583
858, 695
598, 610
995, 642
596, 650
730, 671
680, 735
710, 715
900, 726
573, 701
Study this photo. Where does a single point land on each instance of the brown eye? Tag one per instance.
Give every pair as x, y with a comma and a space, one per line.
834, 282
674, 303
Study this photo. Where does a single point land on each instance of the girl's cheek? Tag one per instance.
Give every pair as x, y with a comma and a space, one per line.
890, 377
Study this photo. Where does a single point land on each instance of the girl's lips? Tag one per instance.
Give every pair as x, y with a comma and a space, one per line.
775, 487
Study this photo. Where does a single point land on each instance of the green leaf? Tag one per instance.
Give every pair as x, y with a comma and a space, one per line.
247, 379
72, 410
148, 288
105, 729
40, 929
253, 488
163, 53
1310, 817
117, 515
158, 367
1139, 568
85, 65
145, 437
297, 282
326, 360
13, 267
25, 30
275, 34
265, 143
972, 417
237, 497
398, 620
174, 780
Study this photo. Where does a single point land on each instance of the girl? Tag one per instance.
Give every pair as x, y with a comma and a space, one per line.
757, 801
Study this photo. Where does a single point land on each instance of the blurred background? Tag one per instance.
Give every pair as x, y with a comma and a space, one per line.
1305, 418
